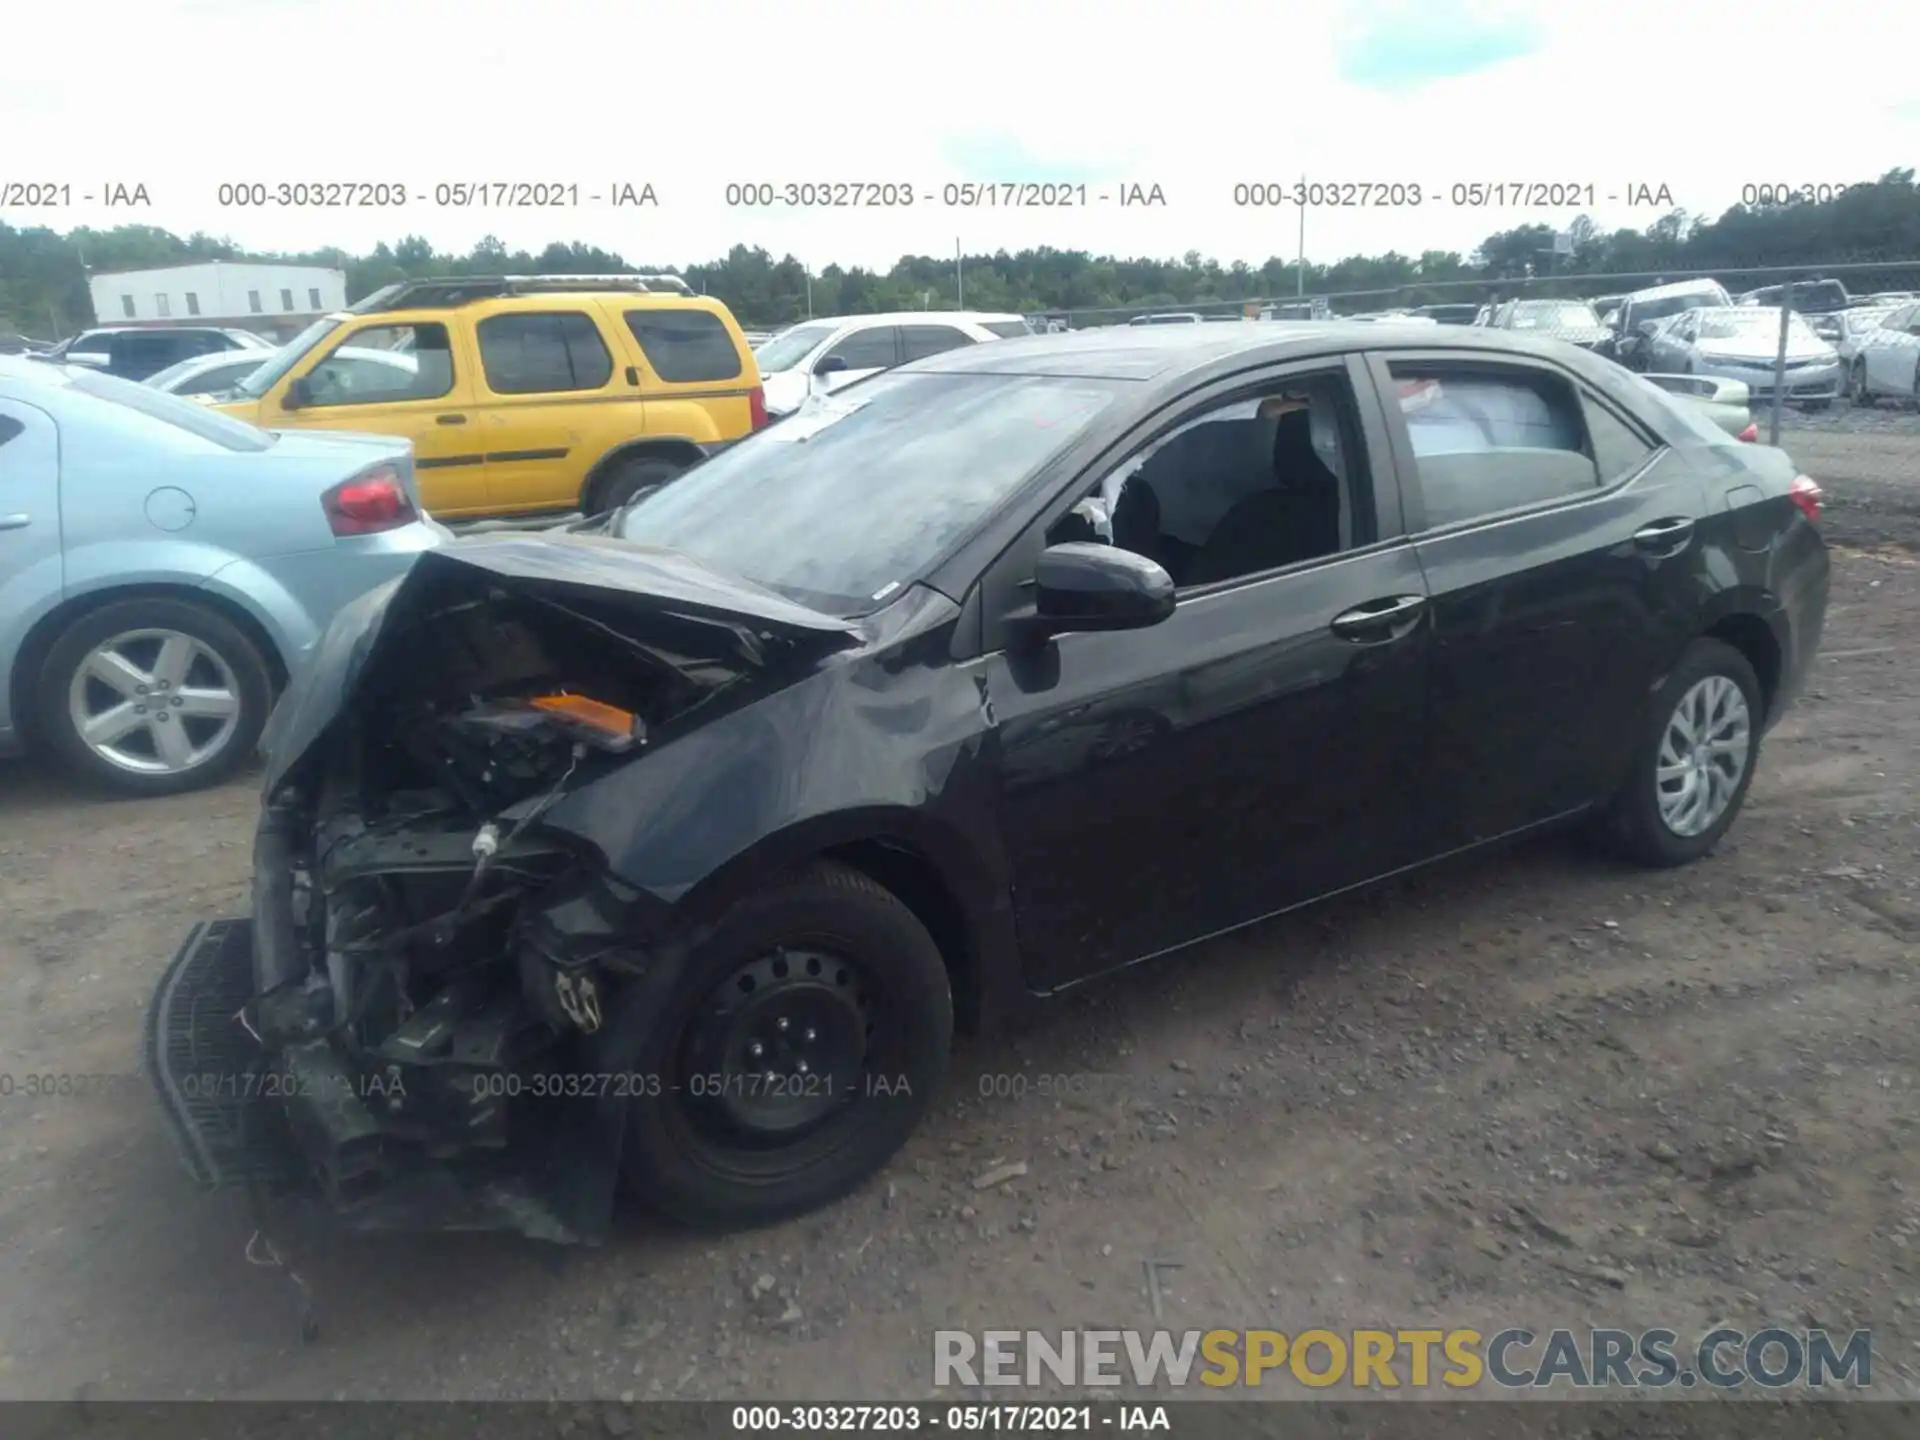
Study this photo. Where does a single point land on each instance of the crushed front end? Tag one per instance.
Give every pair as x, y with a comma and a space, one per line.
410, 1024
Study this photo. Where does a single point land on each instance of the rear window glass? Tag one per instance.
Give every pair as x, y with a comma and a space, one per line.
685, 346
160, 407
1007, 329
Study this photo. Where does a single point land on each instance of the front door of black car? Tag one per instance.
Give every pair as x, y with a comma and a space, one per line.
1259, 747
1559, 542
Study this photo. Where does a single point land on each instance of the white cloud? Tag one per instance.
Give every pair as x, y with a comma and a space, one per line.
1193, 97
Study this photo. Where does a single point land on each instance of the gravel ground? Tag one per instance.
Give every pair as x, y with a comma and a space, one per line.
1532, 1089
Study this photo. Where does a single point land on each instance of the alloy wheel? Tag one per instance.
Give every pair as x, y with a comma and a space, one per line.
1704, 752
154, 702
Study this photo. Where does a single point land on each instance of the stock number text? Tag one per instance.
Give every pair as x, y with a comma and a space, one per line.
820, 194
1340, 194
1777, 194
311, 194
45, 1084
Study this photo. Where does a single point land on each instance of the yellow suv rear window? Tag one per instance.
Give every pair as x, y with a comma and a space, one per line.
685, 346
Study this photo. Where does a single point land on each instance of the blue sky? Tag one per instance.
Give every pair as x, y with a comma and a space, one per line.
1398, 48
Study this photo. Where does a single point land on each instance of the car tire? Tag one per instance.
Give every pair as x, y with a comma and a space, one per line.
1641, 821
628, 478
691, 1150
208, 683
1814, 407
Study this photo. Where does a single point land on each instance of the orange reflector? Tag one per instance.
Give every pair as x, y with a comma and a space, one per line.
609, 720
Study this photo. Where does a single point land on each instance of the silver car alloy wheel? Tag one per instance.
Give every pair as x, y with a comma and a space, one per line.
155, 702
1704, 751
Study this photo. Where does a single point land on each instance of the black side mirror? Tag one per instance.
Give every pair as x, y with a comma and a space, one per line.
299, 394
832, 365
1084, 586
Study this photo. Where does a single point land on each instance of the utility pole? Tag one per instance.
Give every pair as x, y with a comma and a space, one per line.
1300, 266
1780, 364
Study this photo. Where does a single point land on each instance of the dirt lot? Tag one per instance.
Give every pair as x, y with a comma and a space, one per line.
1533, 1089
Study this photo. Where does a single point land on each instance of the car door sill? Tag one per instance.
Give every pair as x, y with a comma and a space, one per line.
1429, 862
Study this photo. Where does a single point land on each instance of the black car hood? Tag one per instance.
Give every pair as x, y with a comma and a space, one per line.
556, 564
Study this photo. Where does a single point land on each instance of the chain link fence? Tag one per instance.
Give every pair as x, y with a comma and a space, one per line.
1809, 336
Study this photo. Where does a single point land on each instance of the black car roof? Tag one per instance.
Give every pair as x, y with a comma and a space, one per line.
1156, 352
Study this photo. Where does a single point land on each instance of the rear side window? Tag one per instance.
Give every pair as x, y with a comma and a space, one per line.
1618, 449
869, 349
685, 346
919, 341
1488, 441
540, 354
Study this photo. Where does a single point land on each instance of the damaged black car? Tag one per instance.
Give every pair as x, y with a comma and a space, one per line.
671, 850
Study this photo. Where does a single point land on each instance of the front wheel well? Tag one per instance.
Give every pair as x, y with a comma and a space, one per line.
682, 451
1753, 638
918, 884
33, 650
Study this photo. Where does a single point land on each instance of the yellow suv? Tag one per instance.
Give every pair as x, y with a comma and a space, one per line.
522, 394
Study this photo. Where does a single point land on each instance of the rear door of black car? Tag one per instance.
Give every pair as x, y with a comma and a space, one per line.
1557, 536
1258, 748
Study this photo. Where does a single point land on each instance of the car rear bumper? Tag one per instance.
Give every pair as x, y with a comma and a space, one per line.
1806, 572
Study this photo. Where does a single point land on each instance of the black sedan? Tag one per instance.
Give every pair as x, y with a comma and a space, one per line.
678, 850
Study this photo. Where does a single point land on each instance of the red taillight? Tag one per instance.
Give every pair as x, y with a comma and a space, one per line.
368, 504
757, 407
1751, 435
1804, 493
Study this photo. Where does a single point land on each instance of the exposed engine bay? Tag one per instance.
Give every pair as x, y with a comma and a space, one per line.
432, 963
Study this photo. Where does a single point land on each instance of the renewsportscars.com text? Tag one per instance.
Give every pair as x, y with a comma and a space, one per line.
1772, 1358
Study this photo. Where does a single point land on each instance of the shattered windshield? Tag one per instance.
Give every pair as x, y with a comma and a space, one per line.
858, 494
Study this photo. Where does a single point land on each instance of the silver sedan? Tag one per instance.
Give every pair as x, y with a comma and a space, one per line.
1887, 361
1742, 343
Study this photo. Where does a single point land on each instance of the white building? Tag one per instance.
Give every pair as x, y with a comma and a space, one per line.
276, 299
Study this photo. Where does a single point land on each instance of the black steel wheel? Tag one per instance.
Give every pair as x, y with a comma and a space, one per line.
788, 1052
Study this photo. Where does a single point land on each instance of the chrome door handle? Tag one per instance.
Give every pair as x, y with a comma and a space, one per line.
15, 522
1663, 534
1364, 621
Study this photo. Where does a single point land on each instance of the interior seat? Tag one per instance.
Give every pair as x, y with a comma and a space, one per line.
1296, 518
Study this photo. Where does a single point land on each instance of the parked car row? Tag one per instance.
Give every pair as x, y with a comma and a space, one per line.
1012, 666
